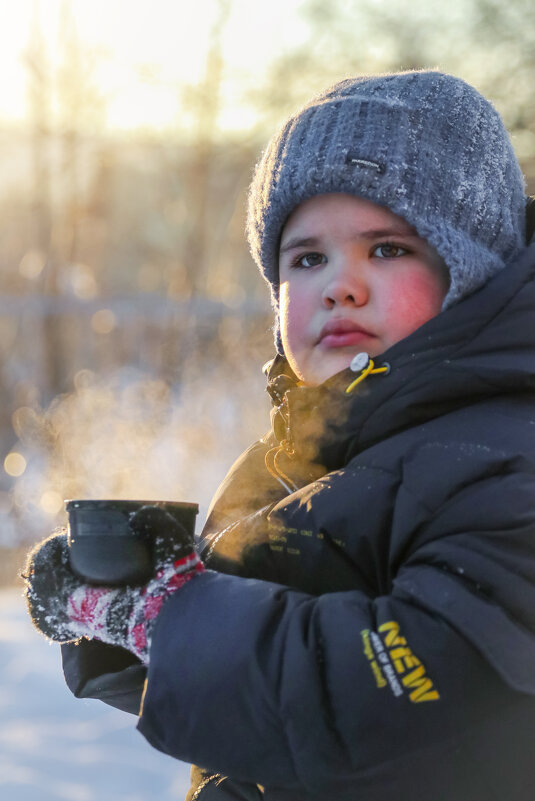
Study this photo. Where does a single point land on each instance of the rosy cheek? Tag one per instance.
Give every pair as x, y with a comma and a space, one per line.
414, 300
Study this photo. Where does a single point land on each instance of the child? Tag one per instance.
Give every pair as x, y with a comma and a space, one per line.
365, 627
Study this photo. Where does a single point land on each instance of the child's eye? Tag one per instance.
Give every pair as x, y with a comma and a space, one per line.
387, 250
309, 260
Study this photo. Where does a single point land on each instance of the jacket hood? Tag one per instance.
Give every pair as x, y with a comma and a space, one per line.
482, 347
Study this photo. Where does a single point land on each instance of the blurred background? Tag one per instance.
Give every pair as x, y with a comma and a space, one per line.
133, 323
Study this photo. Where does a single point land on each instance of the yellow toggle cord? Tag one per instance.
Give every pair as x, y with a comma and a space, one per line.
271, 459
370, 369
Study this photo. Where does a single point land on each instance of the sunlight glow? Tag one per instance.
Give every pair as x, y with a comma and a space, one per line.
135, 61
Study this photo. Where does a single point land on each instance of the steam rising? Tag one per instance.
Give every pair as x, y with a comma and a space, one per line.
128, 436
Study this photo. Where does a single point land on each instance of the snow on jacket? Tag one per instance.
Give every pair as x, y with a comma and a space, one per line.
371, 634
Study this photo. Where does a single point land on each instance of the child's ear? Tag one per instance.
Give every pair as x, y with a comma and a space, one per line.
530, 218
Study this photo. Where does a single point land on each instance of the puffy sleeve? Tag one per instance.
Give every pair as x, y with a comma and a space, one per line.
420, 666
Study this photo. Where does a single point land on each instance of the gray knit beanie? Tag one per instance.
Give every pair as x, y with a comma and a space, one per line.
424, 144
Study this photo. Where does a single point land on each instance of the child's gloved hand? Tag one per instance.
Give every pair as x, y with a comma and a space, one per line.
64, 608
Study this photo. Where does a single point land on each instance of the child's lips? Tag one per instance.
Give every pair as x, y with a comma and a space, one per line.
341, 333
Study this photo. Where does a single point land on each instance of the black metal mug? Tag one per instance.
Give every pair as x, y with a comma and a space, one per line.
105, 550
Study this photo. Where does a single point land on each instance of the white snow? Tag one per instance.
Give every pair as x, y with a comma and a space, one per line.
54, 747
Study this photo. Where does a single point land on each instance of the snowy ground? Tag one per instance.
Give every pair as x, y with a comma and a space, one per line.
56, 748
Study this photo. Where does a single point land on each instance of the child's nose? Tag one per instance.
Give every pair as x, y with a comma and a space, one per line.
346, 287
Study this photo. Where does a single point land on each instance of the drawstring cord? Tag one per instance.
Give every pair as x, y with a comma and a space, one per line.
271, 459
368, 368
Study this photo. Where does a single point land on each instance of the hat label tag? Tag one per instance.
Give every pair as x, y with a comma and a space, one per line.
358, 162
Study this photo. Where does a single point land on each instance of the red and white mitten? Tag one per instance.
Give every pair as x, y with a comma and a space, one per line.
64, 608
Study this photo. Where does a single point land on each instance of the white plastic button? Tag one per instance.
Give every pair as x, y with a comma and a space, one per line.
359, 362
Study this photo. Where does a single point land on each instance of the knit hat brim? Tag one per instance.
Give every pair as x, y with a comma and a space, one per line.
425, 145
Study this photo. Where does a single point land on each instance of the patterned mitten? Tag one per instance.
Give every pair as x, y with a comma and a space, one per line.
64, 608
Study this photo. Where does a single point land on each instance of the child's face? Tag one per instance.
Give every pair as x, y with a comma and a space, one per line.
353, 277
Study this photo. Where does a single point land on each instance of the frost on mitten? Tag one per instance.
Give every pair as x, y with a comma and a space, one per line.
64, 608
49, 583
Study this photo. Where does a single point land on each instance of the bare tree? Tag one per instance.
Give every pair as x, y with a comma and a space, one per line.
78, 102
39, 94
204, 101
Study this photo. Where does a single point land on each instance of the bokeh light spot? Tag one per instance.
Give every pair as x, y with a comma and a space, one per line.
103, 321
14, 464
32, 264
51, 502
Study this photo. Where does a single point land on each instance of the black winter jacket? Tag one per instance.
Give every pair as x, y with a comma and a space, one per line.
369, 635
